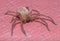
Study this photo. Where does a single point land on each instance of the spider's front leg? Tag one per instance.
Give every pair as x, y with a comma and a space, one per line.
7, 13
44, 16
50, 20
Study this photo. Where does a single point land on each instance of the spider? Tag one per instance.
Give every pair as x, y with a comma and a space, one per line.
24, 15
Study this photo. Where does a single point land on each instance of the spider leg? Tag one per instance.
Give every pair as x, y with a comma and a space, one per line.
46, 18
43, 22
13, 26
50, 20
37, 12
10, 14
13, 19
22, 29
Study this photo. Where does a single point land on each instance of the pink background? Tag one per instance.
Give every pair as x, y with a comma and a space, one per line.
35, 31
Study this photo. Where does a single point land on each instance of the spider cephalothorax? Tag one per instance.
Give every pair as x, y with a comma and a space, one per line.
24, 15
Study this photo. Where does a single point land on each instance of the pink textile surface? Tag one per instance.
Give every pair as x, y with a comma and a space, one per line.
35, 31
